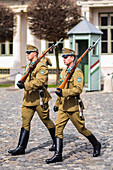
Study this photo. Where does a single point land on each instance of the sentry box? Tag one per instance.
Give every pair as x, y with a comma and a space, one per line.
82, 36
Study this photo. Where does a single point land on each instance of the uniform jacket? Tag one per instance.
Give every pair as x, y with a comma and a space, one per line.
74, 86
47, 62
34, 82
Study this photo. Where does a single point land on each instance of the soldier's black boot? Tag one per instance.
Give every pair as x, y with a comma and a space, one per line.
58, 151
96, 145
52, 133
23, 140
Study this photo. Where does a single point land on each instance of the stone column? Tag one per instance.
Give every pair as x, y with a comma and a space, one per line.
17, 44
23, 39
31, 39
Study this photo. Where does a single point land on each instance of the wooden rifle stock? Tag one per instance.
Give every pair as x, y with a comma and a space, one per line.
75, 65
37, 61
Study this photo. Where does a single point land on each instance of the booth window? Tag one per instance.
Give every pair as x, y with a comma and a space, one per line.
6, 48
106, 26
94, 50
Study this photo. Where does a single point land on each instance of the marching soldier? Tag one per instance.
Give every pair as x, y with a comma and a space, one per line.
68, 107
31, 101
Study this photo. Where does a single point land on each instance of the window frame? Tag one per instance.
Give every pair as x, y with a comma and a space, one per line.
109, 27
7, 49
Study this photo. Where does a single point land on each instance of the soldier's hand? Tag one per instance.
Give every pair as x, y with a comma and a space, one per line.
59, 92
55, 108
20, 84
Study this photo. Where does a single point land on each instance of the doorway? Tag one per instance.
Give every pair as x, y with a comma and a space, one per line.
81, 47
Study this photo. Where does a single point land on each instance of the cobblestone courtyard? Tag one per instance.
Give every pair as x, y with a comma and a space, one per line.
77, 151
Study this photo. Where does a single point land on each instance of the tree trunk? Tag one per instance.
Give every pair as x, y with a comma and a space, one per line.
57, 65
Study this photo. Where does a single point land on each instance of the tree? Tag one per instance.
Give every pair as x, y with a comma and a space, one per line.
52, 19
7, 23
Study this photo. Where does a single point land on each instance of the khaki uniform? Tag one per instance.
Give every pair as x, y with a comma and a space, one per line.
31, 99
35, 98
68, 107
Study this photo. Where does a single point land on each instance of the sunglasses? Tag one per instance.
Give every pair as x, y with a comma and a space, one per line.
66, 56
28, 52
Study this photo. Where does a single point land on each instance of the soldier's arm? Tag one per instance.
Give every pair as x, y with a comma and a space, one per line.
39, 81
58, 101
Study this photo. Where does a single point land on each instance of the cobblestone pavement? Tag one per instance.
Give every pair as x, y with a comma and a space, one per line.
77, 152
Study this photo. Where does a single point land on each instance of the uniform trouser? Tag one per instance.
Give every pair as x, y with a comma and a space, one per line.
79, 123
28, 112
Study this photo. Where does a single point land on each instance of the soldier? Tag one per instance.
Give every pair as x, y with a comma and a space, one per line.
31, 101
68, 108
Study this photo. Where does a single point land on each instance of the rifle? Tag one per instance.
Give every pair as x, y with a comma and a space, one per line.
75, 65
37, 61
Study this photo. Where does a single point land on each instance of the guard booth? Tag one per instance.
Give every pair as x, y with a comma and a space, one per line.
82, 36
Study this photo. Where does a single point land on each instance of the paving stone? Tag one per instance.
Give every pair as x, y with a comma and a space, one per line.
77, 151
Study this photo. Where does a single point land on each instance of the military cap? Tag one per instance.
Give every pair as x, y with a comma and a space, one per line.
31, 48
67, 52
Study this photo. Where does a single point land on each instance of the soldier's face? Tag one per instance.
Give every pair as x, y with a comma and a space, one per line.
31, 55
68, 60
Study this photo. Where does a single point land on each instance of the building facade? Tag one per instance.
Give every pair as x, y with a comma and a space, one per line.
99, 13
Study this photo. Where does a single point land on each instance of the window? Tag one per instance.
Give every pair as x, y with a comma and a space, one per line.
51, 50
6, 48
60, 46
104, 20
106, 26
10, 48
3, 49
104, 41
111, 20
